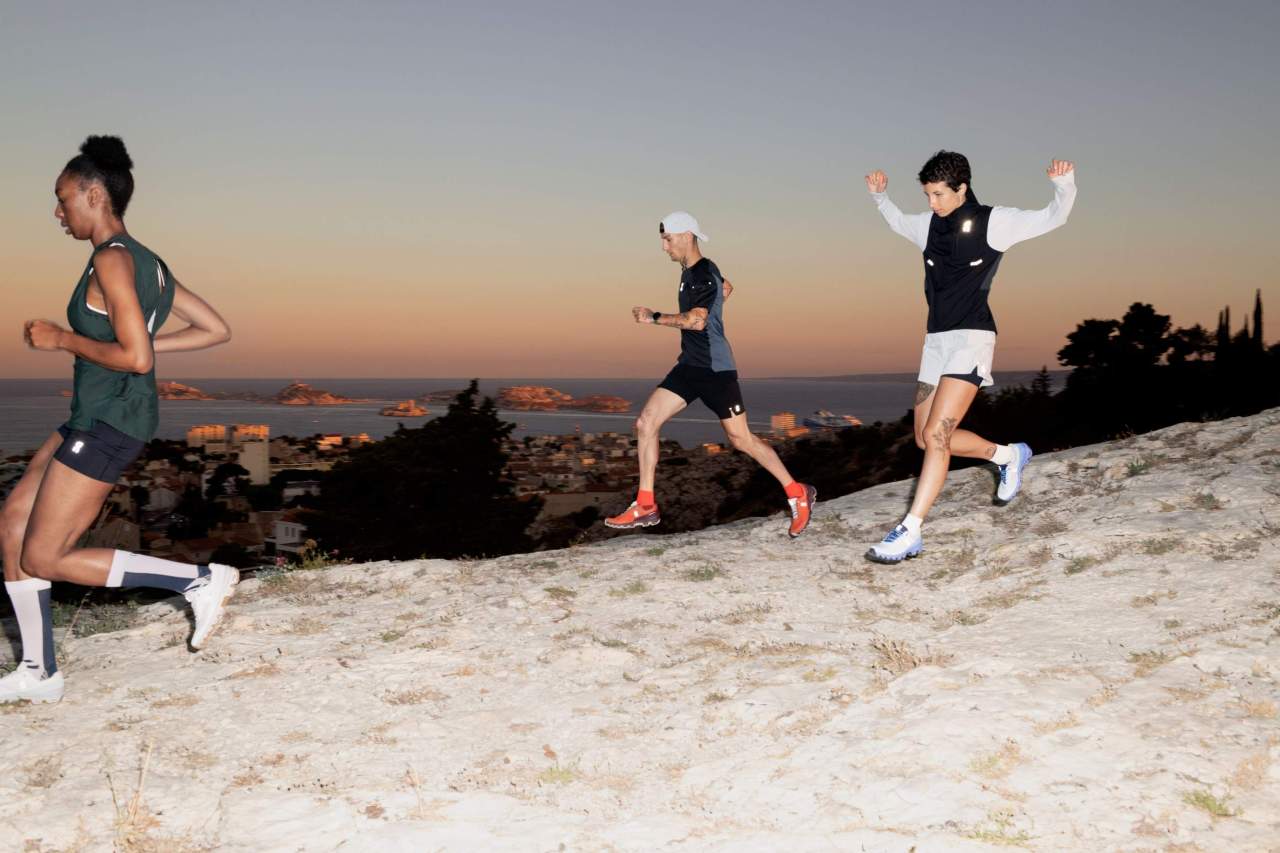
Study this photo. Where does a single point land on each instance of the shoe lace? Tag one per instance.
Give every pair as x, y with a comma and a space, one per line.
1004, 475
895, 534
196, 585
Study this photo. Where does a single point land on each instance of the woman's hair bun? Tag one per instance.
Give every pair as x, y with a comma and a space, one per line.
107, 153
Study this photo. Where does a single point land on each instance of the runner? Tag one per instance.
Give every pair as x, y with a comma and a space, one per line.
963, 242
705, 371
123, 298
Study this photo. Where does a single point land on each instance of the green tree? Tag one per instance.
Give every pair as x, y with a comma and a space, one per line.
227, 479
438, 490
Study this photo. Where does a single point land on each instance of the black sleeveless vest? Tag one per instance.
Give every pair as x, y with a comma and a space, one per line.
958, 269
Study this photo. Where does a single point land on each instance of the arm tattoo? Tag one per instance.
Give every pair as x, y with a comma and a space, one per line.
693, 319
923, 390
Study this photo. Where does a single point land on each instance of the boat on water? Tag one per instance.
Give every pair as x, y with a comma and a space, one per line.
823, 419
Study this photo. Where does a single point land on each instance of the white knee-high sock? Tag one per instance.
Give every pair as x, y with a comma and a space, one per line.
129, 571
34, 608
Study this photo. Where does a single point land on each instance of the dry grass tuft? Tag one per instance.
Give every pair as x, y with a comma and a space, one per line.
636, 587
43, 772
262, 670
1261, 709
1050, 527
1148, 662
1065, 722
897, 658
178, 700
413, 697
1251, 772
998, 764
1152, 599
306, 626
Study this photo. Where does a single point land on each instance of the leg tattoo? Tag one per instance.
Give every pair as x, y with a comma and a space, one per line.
942, 435
923, 390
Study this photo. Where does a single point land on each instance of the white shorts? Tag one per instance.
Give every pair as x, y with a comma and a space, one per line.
959, 352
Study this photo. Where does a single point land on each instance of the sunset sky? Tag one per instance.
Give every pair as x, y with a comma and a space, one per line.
449, 189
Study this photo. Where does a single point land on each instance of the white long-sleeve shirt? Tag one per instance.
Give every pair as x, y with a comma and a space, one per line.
1007, 225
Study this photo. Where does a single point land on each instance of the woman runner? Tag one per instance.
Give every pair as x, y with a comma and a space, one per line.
123, 298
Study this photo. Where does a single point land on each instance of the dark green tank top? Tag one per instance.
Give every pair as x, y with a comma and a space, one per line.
126, 401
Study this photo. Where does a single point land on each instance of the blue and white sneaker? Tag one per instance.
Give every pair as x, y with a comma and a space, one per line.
899, 545
1011, 474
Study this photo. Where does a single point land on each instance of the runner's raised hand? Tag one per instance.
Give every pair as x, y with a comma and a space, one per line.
1058, 168
877, 181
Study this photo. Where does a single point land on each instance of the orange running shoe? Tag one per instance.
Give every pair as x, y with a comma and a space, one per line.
635, 516
801, 511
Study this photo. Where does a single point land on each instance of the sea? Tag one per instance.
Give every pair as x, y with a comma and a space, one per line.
31, 409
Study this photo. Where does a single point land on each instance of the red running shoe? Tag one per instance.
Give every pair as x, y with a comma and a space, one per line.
801, 511
634, 516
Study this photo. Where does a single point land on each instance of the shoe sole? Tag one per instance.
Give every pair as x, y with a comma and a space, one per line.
36, 697
633, 524
891, 561
813, 501
1021, 468
222, 611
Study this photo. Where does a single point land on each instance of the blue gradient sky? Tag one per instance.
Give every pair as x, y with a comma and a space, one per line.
432, 190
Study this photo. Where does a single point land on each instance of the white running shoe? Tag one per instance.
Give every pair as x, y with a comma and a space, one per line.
900, 544
208, 597
27, 683
1011, 474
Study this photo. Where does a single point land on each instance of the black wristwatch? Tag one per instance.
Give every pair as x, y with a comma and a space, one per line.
656, 315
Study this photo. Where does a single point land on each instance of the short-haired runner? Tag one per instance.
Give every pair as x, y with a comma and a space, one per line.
704, 371
122, 299
963, 242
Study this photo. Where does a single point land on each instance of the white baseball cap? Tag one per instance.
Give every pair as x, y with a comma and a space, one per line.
680, 222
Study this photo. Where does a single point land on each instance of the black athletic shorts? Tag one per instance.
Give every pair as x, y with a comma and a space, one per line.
718, 389
101, 452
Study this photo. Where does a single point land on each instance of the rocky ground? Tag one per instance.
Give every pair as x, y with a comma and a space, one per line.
1094, 667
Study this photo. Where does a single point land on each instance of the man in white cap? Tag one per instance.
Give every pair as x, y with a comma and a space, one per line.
705, 371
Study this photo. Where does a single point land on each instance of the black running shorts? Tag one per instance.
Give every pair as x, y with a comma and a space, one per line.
101, 452
718, 389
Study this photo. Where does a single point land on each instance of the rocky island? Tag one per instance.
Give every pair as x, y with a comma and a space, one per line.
542, 398
178, 391
302, 394
293, 394
407, 409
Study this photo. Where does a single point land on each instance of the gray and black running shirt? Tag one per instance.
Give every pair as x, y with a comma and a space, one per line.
702, 286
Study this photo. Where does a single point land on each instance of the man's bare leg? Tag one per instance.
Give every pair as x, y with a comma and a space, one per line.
661, 407
800, 496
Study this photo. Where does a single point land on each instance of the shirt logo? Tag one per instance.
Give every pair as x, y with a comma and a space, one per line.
682, 286
77, 447
967, 226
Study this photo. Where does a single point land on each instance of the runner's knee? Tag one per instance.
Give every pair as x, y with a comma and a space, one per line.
939, 434
741, 442
13, 526
645, 425
38, 561
920, 442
